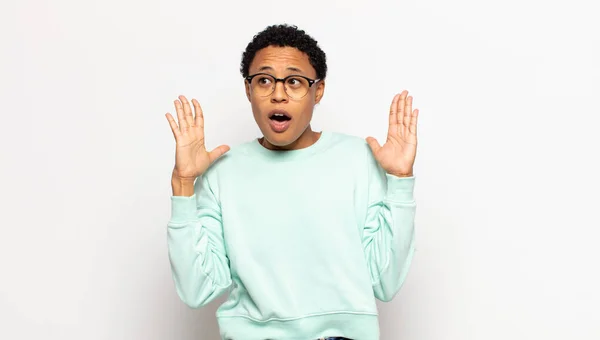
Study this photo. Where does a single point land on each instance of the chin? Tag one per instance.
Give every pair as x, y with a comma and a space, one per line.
280, 139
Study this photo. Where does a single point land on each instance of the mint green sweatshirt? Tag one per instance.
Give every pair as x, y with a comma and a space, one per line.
302, 241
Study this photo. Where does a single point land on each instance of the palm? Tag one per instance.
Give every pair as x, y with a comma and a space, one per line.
397, 155
191, 157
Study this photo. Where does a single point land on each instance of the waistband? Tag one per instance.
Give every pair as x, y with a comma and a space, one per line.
340, 325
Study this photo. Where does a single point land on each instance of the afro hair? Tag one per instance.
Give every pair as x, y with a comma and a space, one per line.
285, 36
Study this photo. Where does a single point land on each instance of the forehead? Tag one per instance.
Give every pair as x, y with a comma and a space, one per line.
280, 59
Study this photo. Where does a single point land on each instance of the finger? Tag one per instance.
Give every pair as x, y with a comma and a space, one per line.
199, 114
413, 126
407, 115
187, 110
173, 124
218, 152
183, 125
373, 144
400, 109
393, 124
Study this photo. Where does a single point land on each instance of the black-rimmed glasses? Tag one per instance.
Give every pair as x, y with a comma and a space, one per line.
296, 86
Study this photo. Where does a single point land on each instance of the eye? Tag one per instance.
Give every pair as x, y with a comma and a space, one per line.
295, 82
264, 81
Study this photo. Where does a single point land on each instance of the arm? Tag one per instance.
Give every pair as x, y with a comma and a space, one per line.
389, 235
199, 264
389, 228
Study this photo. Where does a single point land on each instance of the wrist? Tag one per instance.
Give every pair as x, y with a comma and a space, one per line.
410, 174
175, 177
182, 186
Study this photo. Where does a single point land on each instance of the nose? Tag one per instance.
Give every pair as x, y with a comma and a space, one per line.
279, 94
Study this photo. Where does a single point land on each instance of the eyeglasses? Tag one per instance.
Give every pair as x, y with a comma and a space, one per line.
295, 86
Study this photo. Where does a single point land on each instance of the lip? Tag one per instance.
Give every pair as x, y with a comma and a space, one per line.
272, 112
276, 126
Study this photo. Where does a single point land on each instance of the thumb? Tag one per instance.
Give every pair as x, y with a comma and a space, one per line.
218, 152
373, 144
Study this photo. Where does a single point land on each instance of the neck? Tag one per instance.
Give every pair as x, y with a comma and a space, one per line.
306, 139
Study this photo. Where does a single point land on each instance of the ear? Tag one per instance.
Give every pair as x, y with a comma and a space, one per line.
247, 86
319, 91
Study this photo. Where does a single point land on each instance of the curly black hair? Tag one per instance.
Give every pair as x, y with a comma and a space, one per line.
285, 36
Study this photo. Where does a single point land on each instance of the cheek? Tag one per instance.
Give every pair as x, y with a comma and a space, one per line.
256, 109
306, 115
308, 105
259, 106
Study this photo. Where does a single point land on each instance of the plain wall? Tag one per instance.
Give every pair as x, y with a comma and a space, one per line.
507, 163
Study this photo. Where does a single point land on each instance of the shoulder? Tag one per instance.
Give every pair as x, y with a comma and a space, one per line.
230, 161
224, 168
346, 139
355, 146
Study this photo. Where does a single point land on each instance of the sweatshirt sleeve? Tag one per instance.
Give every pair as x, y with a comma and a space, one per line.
199, 263
389, 233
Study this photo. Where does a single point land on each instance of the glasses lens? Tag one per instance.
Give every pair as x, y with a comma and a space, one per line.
295, 87
263, 85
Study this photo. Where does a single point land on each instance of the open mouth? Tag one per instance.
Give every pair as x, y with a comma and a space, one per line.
279, 116
280, 120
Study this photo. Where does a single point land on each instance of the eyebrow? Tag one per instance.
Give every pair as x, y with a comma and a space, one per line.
294, 69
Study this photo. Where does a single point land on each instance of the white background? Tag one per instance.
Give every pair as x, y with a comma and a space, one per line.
507, 165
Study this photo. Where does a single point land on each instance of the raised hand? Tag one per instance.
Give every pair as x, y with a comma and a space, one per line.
397, 155
191, 157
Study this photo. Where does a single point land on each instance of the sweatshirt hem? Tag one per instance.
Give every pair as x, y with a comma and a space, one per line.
295, 318
353, 325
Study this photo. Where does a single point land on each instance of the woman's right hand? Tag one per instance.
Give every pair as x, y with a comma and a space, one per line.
191, 157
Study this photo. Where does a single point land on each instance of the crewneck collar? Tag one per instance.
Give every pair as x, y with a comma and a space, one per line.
287, 155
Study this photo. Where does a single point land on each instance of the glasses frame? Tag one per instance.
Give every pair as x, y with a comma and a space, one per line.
311, 82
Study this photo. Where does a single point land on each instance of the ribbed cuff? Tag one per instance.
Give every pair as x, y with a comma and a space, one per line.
183, 208
400, 189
